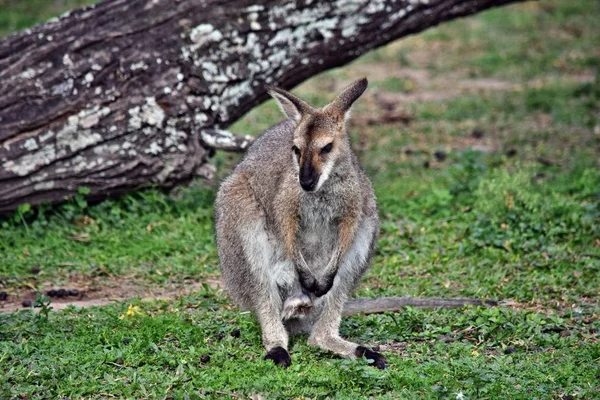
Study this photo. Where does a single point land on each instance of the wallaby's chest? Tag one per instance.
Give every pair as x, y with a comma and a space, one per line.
318, 233
317, 242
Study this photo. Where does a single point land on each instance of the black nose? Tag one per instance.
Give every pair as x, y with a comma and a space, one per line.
308, 176
308, 183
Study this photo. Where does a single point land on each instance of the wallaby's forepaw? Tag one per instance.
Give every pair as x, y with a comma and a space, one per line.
310, 284
324, 286
297, 306
378, 359
280, 356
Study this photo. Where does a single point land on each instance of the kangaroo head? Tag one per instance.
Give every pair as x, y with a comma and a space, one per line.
320, 139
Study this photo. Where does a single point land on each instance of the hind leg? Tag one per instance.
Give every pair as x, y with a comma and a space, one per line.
325, 333
249, 264
274, 335
267, 303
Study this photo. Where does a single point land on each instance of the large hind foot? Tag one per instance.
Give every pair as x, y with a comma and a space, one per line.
378, 359
279, 356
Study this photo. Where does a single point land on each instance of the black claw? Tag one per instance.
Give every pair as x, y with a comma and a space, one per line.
312, 287
320, 292
280, 356
325, 287
309, 283
378, 359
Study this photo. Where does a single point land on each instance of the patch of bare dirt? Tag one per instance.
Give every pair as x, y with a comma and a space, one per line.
551, 307
90, 296
393, 347
489, 144
424, 86
402, 99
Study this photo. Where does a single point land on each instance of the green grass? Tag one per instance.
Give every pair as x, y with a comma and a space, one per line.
158, 352
527, 41
569, 104
18, 14
132, 237
507, 209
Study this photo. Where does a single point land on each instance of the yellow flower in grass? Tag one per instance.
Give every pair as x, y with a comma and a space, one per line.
132, 311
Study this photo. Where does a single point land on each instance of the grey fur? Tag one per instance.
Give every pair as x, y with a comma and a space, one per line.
262, 199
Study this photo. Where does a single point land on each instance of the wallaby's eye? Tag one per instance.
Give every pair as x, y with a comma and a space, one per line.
296, 150
327, 148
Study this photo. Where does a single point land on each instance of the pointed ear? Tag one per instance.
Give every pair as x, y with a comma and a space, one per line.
292, 106
340, 106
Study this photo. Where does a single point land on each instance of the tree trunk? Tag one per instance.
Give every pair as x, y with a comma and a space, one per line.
130, 93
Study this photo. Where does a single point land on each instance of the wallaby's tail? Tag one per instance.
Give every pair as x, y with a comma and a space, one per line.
379, 305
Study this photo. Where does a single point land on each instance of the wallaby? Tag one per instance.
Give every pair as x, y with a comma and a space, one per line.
296, 226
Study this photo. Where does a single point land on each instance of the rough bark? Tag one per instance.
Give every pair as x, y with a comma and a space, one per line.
137, 92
